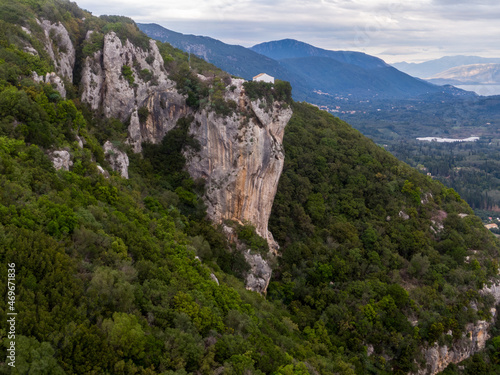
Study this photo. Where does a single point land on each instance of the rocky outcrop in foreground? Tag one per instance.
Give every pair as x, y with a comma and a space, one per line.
241, 156
241, 159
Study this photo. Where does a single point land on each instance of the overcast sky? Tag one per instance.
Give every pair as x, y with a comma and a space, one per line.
416, 30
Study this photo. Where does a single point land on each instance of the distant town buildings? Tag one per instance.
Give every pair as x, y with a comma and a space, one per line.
263, 77
491, 226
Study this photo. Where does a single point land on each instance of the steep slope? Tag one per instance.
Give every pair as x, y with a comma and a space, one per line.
122, 276
108, 264
370, 245
430, 68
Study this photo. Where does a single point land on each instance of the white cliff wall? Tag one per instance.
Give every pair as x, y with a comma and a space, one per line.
105, 88
241, 157
241, 160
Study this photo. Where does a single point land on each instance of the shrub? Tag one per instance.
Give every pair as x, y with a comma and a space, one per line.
128, 74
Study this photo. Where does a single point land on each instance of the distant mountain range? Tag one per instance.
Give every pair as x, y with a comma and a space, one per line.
431, 68
474, 74
290, 49
312, 71
237, 60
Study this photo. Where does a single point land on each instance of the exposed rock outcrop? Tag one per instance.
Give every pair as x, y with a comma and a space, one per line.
214, 278
164, 109
403, 215
105, 87
102, 171
241, 160
473, 340
117, 159
437, 358
241, 156
53, 79
58, 45
494, 290
260, 273
61, 159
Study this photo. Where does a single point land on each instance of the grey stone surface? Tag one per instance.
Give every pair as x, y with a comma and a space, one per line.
61, 159
241, 160
104, 87
260, 273
58, 45
116, 158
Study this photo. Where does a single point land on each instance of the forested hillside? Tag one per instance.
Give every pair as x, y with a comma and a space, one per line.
128, 276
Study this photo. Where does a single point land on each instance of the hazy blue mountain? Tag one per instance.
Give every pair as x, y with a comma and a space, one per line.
430, 68
237, 60
309, 69
341, 72
290, 48
474, 74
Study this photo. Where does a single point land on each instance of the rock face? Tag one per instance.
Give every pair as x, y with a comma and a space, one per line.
116, 158
61, 50
61, 159
58, 45
53, 79
241, 156
241, 160
260, 273
102, 171
437, 358
474, 339
104, 87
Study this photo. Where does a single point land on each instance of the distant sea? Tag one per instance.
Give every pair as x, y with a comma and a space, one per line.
484, 90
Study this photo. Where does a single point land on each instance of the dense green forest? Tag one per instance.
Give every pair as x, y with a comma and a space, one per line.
117, 276
471, 168
347, 250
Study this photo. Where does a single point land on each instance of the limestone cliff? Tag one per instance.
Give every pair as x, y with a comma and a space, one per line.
437, 358
241, 157
105, 87
58, 45
241, 160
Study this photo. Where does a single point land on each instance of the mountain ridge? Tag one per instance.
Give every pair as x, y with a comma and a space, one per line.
291, 48
394, 84
427, 69
473, 74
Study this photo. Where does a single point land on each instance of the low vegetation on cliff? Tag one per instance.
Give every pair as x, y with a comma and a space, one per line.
117, 276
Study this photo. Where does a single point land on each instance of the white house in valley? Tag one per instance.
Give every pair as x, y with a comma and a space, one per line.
264, 78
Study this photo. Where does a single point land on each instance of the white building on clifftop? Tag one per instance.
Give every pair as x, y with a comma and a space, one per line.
264, 78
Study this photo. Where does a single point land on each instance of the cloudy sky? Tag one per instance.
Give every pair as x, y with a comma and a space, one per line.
396, 31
